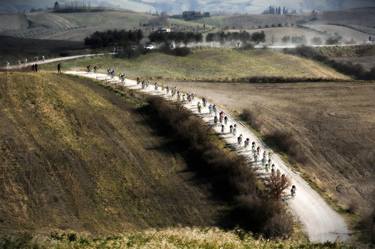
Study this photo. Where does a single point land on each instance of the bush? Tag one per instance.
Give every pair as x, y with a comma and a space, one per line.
184, 51
285, 143
334, 40
269, 216
249, 117
180, 51
355, 70
228, 173
72, 237
316, 41
367, 226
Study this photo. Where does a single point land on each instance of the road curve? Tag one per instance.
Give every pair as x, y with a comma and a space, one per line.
320, 222
58, 59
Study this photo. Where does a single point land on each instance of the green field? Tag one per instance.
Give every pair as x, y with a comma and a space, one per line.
210, 65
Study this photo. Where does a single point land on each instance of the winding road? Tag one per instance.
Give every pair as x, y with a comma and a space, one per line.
46, 61
320, 221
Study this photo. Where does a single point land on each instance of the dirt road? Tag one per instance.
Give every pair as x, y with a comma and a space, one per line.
58, 59
319, 220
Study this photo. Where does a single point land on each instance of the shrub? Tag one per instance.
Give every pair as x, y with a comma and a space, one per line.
184, 51
179, 51
72, 237
251, 119
285, 39
367, 226
20, 241
284, 142
316, 41
355, 70
268, 216
279, 225
334, 40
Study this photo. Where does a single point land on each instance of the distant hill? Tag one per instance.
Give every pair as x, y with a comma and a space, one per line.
77, 26
217, 6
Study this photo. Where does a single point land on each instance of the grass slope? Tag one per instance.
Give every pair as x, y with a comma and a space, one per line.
77, 26
192, 238
249, 21
332, 123
211, 64
13, 49
74, 155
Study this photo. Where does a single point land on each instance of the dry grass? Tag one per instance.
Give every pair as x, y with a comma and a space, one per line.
169, 238
332, 122
212, 64
75, 155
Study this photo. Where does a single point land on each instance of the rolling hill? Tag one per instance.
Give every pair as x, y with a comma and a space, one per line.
77, 26
77, 156
332, 126
13, 49
213, 65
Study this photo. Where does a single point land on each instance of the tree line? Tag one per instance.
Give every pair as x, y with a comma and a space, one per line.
109, 38
125, 39
243, 36
357, 71
177, 37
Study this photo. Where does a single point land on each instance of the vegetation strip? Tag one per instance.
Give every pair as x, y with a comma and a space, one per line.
229, 173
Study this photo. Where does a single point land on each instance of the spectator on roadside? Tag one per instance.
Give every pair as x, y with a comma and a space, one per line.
59, 68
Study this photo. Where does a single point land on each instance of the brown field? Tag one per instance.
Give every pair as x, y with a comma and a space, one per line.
75, 155
334, 123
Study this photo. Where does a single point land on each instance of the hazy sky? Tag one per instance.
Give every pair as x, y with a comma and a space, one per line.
174, 6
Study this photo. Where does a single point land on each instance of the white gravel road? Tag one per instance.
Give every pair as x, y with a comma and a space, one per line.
320, 222
58, 59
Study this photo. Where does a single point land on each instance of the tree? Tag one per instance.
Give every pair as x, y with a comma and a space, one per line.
56, 6
317, 41
286, 39
258, 37
276, 183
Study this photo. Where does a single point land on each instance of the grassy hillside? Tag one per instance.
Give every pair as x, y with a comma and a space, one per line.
211, 64
250, 21
363, 55
75, 155
332, 124
359, 18
13, 22
77, 26
13, 49
192, 238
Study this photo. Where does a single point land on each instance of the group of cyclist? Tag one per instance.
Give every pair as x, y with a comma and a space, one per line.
218, 119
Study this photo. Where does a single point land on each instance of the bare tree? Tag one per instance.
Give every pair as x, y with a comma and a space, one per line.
276, 183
